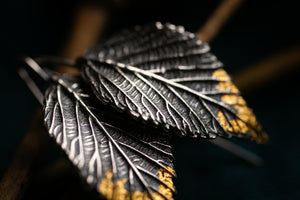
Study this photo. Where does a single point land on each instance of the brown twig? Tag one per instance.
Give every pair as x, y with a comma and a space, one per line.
254, 76
210, 29
216, 21
89, 23
29, 152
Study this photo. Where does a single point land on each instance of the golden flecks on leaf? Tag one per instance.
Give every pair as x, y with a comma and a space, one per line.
233, 99
112, 190
227, 87
234, 125
225, 84
245, 120
166, 177
221, 74
117, 191
246, 114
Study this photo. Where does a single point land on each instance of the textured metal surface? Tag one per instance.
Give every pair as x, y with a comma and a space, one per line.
122, 159
165, 75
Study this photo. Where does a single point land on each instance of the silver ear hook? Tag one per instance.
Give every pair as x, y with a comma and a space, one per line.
23, 73
238, 151
31, 85
36, 67
55, 61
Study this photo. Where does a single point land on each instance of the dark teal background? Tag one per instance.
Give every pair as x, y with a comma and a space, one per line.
258, 30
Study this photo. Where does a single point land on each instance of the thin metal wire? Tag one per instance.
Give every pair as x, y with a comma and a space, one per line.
31, 85
238, 151
55, 61
36, 67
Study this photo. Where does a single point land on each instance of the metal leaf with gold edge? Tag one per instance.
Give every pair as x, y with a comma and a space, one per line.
122, 159
164, 75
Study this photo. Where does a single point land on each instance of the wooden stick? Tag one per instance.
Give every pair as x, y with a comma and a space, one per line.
88, 25
54, 170
33, 145
90, 22
206, 34
254, 76
216, 21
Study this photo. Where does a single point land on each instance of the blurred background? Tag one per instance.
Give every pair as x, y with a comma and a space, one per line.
259, 46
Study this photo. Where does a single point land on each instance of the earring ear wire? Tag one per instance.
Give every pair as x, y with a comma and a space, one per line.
24, 73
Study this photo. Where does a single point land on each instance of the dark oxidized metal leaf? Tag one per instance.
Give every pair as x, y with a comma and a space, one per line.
162, 74
122, 159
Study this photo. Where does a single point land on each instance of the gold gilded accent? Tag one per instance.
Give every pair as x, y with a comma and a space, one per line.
246, 114
117, 191
137, 195
166, 177
107, 186
245, 118
113, 191
227, 87
235, 125
221, 74
233, 99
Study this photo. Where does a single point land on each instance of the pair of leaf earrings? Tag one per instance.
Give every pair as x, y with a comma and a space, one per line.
157, 75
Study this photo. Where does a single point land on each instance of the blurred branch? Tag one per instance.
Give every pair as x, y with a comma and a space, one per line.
29, 152
216, 21
254, 76
208, 32
88, 24
54, 170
